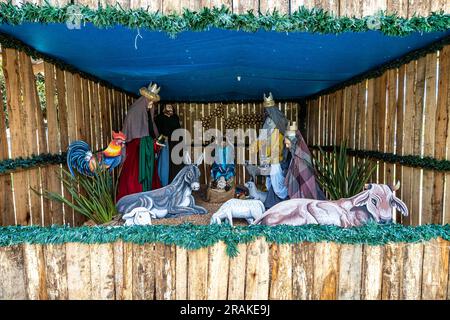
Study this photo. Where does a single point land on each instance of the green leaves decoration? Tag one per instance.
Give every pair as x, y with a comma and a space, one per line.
312, 20
193, 237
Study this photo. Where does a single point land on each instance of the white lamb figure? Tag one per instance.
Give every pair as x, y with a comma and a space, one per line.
139, 216
250, 210
254, 192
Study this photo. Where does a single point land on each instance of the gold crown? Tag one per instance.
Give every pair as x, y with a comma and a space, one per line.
292, 129
151, 92
268, 101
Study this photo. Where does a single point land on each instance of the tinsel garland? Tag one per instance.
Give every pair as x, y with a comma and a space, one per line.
311, 20
10, 165
192, 237
427, 163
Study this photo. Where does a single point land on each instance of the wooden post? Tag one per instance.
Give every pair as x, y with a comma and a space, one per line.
430, 108
281, 275
435, 269
165, 273
7, 216
12, 269
236, 275
257, 272
441, 135
144, 271
326, 276
372, 272
303, 270
218, 266
102, 271
197, 274
392, 271
350, 270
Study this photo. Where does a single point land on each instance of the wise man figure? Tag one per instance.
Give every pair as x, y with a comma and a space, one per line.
273, 152
300, 178
139, 171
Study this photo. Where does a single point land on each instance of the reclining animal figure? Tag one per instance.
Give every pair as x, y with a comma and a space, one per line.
254, 192
374, 203
172, 200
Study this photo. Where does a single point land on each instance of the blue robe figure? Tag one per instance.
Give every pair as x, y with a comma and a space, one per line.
223, 165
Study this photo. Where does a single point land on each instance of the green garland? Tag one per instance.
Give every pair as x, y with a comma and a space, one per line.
192, 237
311, 20
9, 165
427, 163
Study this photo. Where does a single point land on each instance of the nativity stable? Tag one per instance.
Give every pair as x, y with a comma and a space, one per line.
234, 149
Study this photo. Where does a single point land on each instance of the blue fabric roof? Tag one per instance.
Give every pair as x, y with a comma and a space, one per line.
205, 66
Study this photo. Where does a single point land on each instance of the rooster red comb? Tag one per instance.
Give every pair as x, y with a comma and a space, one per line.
119, 136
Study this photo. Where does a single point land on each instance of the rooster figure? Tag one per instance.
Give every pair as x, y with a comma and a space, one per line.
81, 158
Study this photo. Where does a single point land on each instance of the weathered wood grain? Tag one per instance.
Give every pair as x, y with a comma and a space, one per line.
435, 269
372, 272
165, 271
144, 271
411, 278
236, 274
181, 270
350, 272
12, 270
7, 215
102, 271
325, 283
392, 271
35, 271
429, 215
218, 266
257, 270
303, 270
56, 271
281, 272
197, 274
78, 260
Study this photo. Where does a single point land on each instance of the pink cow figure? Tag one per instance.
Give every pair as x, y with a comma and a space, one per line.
374, 203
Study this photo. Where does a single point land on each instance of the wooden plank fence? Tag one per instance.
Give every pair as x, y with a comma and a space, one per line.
407, 113
189, 113
374, 115
260, 271
76, 109
72, 111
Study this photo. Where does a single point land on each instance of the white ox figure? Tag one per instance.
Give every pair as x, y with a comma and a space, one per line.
139, 216
374, 203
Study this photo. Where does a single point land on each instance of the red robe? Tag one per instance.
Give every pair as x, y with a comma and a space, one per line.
129, 176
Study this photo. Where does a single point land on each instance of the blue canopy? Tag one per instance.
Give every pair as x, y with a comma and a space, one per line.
219, 65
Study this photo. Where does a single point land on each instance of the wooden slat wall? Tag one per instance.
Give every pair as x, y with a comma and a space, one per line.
73, 111
261, 270
191, 112
408, 114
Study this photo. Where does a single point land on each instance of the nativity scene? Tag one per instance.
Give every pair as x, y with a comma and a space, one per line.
329, 151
